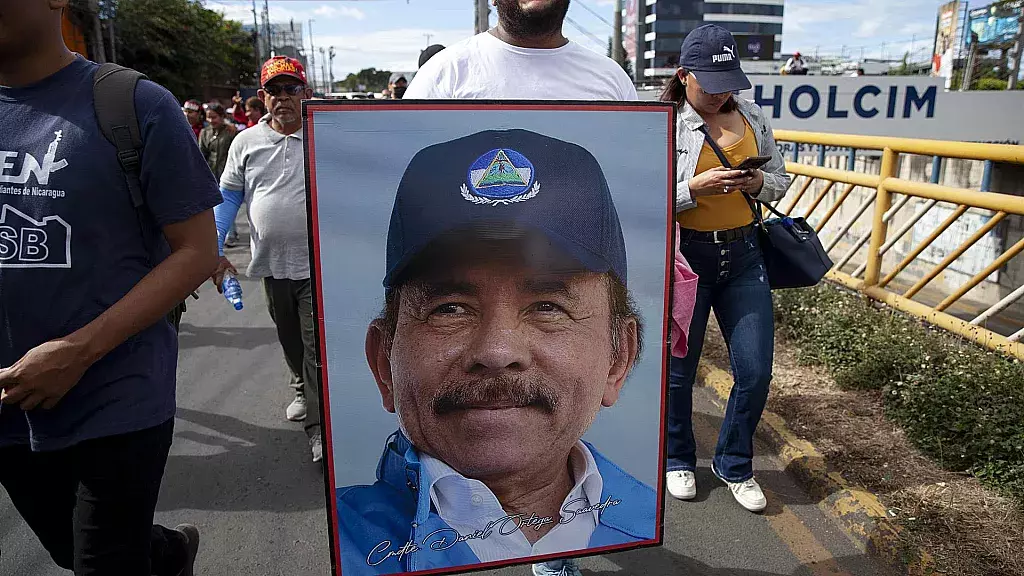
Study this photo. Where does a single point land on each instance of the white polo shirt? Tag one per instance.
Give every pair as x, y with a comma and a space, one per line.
468, 505
268, 167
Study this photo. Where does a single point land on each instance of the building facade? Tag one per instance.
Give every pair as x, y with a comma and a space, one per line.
756, 24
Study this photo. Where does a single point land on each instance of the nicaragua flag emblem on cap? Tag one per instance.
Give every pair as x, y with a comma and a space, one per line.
500, 177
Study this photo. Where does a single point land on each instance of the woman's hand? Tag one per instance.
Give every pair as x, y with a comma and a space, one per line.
756, 182
722, 180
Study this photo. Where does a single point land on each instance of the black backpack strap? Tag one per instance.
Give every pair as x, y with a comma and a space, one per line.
114, 95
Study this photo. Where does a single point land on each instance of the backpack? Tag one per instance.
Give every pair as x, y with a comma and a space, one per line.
113, 91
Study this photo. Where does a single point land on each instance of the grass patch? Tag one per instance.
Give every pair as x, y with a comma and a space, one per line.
959, 404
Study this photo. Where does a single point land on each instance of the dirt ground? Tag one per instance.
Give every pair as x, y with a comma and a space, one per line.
967, 528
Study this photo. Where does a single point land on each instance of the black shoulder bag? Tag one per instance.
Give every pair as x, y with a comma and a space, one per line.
793, 254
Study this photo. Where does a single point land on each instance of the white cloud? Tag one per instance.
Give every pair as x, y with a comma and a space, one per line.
879, 25
868, 28
396, 50
236, 12
326, 11
280, 12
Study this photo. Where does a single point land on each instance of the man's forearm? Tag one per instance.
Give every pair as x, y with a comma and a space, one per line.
225, 215
150, 300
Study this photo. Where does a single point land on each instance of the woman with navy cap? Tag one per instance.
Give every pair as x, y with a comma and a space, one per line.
719, 239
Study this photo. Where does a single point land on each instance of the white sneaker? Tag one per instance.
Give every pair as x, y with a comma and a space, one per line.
557, 568
748, 493
316, 445
296, 411
681, 484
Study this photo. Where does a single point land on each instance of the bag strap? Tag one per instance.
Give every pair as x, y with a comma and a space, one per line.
113, 90
753, 202
714, 146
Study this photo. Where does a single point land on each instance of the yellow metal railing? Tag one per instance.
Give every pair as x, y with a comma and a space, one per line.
877, 276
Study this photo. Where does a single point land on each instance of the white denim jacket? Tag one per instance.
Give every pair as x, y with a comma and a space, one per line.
690, 139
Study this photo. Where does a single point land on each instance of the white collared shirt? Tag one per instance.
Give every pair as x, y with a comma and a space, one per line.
467, 506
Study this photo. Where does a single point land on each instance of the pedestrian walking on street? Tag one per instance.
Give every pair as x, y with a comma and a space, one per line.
215, 139
87, 354
214, 143
254, 111
525, 56
720, 241
266, 170
194, 113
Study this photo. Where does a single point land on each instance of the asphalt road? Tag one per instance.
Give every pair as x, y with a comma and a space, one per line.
243, 474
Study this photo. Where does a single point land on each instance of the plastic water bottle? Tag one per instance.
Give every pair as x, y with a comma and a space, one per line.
232, 290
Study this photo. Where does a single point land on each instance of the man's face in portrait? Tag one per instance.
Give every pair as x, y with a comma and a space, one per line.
498, 354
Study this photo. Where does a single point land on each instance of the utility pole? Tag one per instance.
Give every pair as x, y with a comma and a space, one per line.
323, 68
270, 39
1018, 47
965, 84
256, 36
312, 56
99, 52
429, 36
330, 67
483, 16
617, 53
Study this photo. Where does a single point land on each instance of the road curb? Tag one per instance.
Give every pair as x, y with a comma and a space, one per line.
860, 513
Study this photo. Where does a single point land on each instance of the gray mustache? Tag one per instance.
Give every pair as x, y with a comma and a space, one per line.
504, 389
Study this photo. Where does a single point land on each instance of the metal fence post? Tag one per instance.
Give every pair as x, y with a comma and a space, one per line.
879, 227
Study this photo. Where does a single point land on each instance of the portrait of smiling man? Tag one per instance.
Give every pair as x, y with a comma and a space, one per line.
507, 325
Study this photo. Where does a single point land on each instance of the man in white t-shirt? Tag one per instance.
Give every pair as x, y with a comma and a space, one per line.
525, 57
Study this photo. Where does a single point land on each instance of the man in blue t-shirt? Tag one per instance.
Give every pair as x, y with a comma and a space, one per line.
87, 356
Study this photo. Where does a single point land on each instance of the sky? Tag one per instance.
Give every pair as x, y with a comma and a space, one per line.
389, 34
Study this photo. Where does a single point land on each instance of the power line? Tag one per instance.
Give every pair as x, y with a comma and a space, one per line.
584, 31
596, 15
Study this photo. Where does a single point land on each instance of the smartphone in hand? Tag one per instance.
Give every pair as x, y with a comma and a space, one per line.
752, 163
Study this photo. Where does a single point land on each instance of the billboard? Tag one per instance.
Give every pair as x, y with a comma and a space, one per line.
947, 40
996, 24
757, 47
629, 35
486, 276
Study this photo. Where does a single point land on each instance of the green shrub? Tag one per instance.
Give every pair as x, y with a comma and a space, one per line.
961, 405
990, 84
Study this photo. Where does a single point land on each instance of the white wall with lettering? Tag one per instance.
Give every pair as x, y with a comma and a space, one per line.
902, 106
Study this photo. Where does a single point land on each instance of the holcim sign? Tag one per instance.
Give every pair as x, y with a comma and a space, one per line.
904, 106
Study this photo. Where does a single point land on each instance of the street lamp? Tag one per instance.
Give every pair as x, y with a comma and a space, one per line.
330, 67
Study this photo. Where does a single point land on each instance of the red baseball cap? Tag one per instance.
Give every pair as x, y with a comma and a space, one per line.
282, 66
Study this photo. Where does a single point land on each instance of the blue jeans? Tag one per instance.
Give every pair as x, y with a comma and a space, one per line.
733, 282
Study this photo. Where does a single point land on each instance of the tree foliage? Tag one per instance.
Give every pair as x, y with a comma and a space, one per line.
372, 79
182, 45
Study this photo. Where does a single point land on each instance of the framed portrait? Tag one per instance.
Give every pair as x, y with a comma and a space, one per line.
492, 286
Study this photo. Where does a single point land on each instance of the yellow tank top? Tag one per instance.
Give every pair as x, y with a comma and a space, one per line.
723, 211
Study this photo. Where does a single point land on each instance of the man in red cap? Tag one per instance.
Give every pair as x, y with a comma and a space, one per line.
265, 170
